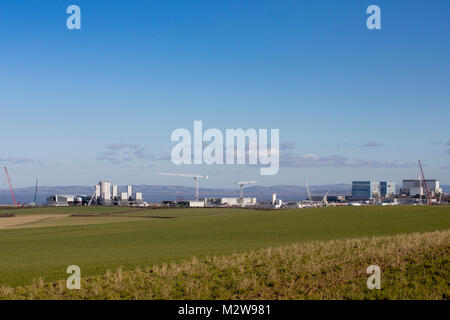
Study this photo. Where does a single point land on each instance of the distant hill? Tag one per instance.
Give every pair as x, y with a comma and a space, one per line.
157, 193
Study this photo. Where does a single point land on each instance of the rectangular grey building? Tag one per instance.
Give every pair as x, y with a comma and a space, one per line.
366, 190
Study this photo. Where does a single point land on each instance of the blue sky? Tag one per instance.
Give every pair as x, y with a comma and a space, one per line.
137, 70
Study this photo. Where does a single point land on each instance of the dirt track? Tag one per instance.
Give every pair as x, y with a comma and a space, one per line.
15, 222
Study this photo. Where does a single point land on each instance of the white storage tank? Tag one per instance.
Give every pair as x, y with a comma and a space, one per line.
97, 191
105, 189
114, 192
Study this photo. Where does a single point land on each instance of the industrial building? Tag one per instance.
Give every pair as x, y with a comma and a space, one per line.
104, 196
101, 196
226, 202
413, 187
64, 200
387, 189
238, 201
212, 202
366, 190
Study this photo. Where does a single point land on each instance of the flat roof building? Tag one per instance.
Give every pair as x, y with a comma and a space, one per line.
64, 200
366, 190
387, 188
363, 190
416, 187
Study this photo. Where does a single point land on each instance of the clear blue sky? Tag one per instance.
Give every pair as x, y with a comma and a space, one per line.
101, 102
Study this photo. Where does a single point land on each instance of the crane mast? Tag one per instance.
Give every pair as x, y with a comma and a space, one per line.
10, 186
241, 185
425, 183
92, 198
325, 197
35, 191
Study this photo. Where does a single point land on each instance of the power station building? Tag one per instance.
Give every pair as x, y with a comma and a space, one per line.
387, 188
366, 190
413, 187
102, 196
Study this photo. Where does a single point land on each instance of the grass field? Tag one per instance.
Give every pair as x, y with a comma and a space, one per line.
127, 238
413, 266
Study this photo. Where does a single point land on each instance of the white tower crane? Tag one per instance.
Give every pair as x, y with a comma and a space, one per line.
195, 176
241, 184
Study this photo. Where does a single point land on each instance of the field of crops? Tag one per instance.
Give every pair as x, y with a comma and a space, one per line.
101, 239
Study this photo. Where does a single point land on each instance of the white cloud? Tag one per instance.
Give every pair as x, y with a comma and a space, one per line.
17, 160
287, 145
372, 144
312, 160
118, 153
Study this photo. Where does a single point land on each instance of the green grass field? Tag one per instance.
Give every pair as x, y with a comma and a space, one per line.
130, 238
413, 266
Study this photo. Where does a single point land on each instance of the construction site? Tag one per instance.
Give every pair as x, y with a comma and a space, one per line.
366, 192
103, 195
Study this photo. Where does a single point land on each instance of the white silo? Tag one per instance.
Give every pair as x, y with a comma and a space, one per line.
274, 198
105, 189
97, 191
114, 192
129, 191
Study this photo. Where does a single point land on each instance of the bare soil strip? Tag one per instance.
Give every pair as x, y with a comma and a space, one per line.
81, 215
14, 222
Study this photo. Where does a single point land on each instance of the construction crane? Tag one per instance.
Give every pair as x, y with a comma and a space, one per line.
425, 183
241, 185
10, 186
35, 191
420, 188
195, 176
325, 198
307, 190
